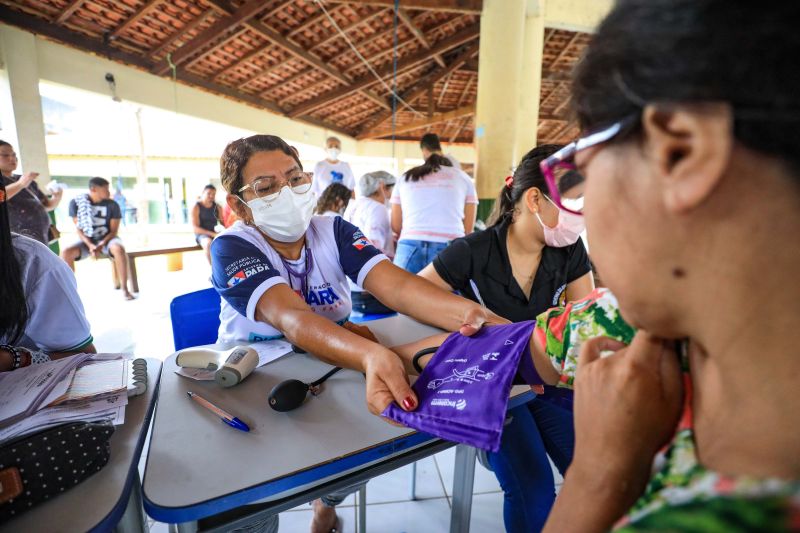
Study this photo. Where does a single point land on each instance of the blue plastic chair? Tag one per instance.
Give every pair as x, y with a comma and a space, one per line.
195, 318
357, 318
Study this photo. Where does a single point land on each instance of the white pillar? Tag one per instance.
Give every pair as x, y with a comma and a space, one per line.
530, 82
22, 118
502, 38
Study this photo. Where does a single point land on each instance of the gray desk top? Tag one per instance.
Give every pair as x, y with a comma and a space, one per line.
194, 457
195, 461
89, 503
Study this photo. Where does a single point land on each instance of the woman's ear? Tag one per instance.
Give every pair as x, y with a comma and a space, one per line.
531, 199
691, 147
238, 206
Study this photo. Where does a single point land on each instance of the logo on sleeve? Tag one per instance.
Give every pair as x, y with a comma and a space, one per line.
251, 270
360, 241
237, 278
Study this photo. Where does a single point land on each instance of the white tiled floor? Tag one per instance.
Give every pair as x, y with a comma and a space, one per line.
143, 327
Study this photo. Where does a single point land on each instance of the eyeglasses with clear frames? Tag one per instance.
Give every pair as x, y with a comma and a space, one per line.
269, 188
565, 184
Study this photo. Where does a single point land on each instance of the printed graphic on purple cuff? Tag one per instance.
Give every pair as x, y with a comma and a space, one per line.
463, 391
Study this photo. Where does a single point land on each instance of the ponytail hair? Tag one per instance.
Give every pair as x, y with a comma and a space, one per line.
431, 165
14, 308
526, 176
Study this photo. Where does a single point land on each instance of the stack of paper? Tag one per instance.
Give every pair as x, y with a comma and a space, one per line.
77, 388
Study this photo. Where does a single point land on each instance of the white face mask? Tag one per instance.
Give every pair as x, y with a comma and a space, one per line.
566, 232
333, 153
286, 218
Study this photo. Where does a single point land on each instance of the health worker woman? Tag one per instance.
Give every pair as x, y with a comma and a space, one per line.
278, 251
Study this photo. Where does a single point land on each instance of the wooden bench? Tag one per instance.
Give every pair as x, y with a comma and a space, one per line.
133, 255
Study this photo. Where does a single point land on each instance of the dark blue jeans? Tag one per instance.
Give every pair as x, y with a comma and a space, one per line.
537, 429
413, 255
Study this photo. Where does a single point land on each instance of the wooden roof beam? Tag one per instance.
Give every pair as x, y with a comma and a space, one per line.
420, 87
82, 42
71, 8
221, 27
464, 36
460, 128
472, 7
406, 19
136, 17
187, 28
335, 35
564, 50
428, 121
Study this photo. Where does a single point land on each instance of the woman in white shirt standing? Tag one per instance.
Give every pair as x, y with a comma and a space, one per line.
434, 204
369, 213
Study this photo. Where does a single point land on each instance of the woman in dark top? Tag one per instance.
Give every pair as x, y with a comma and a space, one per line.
27, 204
205, 217
529, 260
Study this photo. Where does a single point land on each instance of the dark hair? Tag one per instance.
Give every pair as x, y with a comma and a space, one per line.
734, 51
238, 153
4, 143
14, 311
526, 176
332, 138
209, 187
98, 182
331, 196
431, 165
430, 141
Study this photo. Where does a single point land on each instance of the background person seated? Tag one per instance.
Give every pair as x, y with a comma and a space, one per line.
41, 309
205, 217
97, 218
369, 213
333, 201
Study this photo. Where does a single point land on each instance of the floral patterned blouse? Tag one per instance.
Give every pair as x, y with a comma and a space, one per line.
682, 495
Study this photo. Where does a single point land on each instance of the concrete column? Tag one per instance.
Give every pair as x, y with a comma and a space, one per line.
20, 101
497, 109
530, 83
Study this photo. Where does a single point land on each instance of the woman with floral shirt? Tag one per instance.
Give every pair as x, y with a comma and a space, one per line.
691, 161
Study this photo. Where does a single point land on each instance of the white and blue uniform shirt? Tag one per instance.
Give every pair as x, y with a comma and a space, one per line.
245, 266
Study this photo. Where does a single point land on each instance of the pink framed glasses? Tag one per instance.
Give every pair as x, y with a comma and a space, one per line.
564, 183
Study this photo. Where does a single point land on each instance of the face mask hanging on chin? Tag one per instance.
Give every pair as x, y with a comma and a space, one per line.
286, 218
566, 232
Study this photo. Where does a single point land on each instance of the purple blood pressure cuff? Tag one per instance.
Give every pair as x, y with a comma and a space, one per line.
463, 391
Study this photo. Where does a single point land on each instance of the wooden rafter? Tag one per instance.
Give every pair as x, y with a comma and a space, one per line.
217, 47
133, 19
465, 35
443, 92
473, 7
460, 128
428, 121
564, 50
335, 35
187, 28
221, 27
417, 33
419, 88
68, 11
552, 92
82, 42
295, 50
465, 92
310, 21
